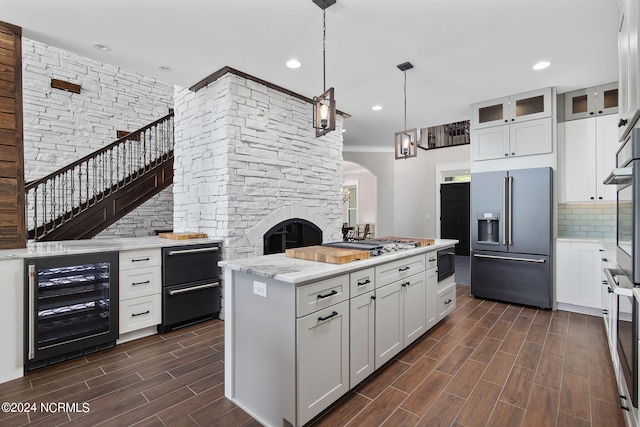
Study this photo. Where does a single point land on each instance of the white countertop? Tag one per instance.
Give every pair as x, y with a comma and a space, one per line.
298, 271
71, 247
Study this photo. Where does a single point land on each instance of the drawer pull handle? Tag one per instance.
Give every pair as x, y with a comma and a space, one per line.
140, 259
193, 288
366, 282
373, 297
193, 251
609, 289
146, 282
322, 319
432, 259
447, 302
330, 294
404, 268
405, 284
140, 314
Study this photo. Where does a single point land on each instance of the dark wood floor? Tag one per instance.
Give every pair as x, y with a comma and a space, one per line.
488, 364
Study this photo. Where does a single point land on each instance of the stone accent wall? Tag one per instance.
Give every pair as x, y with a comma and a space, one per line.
247, 158
61, 127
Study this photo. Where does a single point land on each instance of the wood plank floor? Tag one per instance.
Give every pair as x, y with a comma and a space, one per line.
488, 364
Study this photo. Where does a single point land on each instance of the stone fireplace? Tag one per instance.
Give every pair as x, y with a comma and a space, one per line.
247, 159
292, 233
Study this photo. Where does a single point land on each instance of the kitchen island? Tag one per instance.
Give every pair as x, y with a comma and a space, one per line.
299, 334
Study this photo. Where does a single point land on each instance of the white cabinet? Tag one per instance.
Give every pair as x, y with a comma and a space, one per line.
431, 297
400, 316
388, 325
323, 359
516, 108
520, 125
446, 297
362, 325
578, 273
591, 102
628, 66
140, 289
362, 337
589, 156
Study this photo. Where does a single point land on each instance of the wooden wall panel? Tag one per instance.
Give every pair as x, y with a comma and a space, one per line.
12, 222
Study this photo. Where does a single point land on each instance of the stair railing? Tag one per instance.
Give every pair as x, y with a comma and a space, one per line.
56, 198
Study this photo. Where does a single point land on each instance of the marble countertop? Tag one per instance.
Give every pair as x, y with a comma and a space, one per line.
298, 271
72, 247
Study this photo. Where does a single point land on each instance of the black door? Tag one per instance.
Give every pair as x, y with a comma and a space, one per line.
455, 215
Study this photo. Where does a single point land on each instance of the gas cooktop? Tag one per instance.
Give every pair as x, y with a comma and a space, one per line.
376, 247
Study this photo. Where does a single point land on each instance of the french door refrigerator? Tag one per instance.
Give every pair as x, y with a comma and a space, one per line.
511, 236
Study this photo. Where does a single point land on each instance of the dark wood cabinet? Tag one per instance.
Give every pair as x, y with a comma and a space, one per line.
12, 222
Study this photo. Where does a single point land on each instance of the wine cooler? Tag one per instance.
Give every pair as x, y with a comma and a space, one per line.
71, 307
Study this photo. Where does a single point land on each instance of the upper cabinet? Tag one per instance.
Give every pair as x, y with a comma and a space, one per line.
518, 125
591, 102
512, 109
628, 66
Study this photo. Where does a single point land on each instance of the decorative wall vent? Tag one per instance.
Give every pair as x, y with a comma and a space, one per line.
62, 85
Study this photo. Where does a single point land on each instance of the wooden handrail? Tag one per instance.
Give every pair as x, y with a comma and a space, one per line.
70, 166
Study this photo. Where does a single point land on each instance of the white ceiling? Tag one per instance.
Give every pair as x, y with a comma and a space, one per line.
463, 51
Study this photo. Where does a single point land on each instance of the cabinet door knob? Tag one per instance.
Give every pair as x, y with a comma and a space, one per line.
513, 120
506, 121
373, 297
622, 122
591, 113
592, 197
513, 154
599, 112
600, 198
506, 154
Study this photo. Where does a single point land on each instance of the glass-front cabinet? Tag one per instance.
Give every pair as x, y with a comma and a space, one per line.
591, 102
512, 109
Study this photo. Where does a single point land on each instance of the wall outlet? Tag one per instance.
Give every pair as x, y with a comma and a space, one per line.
260, 289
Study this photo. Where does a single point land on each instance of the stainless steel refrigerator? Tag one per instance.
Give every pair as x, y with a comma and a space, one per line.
511, 236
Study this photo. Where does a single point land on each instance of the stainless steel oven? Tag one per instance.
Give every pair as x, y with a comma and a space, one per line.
627, 178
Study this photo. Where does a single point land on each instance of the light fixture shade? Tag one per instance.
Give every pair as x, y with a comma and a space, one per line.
406, 142
324, 113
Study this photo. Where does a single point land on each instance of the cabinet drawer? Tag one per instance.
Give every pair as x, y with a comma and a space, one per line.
319, 295
140, 282
139, 313
362, 281
446, 301
140, 258
389, 273
432, 259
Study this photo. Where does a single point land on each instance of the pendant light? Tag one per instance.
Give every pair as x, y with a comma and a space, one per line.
406, 141
324, 106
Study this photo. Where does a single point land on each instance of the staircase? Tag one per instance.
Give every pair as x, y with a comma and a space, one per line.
85, 197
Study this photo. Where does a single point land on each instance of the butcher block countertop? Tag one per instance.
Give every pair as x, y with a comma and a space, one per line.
300, 272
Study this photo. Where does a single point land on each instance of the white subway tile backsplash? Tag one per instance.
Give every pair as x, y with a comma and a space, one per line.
595, 220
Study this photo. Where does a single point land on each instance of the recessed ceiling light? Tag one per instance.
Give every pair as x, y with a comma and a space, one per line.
164, 68
294, 63
541, 65
102, 47
376, 108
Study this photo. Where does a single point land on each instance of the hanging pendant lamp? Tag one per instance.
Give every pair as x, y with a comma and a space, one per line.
324, 106
406, 141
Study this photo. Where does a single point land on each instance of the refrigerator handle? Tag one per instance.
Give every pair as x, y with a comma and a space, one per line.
32, 296
510, 210
504, 210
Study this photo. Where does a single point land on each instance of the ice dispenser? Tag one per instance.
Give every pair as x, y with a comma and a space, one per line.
488, 226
